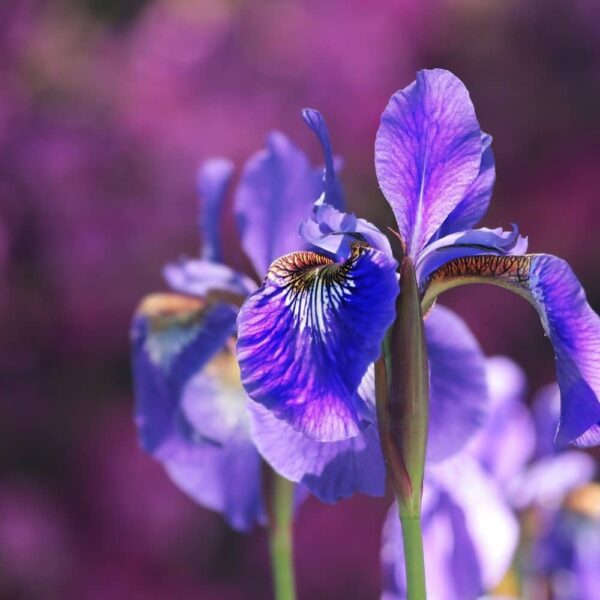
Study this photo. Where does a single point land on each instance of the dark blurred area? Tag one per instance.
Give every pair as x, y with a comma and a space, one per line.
106, 110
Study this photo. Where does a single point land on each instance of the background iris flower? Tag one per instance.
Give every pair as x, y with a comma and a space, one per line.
565, 558
191, 411
470, 530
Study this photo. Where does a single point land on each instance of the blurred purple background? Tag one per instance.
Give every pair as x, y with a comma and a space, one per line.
106, 109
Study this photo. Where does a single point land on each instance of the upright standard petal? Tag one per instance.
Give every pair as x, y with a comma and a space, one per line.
173, 337
469, 535
213, 179
330, 470
275, 194
471, 209
332, 189
212, 457
572, 326
458, 387
308, 335
427, 153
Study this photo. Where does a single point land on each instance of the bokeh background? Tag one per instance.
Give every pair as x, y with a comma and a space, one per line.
106, 109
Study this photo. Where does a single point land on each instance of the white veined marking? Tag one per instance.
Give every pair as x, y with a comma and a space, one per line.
312, 307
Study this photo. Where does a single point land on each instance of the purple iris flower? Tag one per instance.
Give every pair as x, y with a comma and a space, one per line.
192, 412
515, 447
536, 478
319, 444
560, 547
470, 530
561, 507
469, 535
309, 334
567, 557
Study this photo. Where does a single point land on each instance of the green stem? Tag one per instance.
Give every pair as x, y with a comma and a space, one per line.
280, 538
412, 538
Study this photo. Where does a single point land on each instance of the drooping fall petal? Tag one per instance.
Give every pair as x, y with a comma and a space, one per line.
574, 330
211, 455
308, 335
568, 320
330, 470
173, 337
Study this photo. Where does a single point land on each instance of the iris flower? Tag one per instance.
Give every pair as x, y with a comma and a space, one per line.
331, 445
309, 334
191, 410
567, 557
561, 512
469, 535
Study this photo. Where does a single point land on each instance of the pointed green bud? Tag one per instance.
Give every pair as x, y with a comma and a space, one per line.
409, 389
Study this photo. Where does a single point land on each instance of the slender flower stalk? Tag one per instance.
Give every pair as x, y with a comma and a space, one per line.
281, 538
414, 558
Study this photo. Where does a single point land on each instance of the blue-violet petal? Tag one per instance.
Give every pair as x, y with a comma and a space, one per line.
308, 335
427, 153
